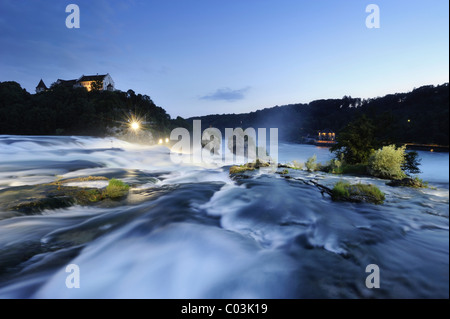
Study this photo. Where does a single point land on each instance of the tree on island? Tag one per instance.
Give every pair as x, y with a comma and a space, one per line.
362, 144
411, 164
356, 142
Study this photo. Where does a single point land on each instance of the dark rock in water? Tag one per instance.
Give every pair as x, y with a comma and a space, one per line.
406, 182
304, 241
32, 206
68, 166
360, 198
34, 199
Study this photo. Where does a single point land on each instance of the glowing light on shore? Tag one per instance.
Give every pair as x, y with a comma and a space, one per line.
167, 140
134, 123
135, 126
160, 141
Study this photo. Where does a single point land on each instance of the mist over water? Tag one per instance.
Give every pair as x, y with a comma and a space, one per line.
189, 231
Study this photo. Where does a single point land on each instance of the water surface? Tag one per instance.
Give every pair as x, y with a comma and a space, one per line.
189, 231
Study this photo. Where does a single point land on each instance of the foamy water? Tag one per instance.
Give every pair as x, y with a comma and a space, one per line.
189, 231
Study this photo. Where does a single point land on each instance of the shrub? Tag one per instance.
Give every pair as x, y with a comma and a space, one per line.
387, 162
116, 189
311, 164
333, 166
420, 182
296, 165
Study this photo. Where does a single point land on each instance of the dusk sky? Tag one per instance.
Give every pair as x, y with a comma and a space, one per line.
198, 57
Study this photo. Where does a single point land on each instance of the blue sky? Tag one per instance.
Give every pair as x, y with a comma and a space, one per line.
198, 57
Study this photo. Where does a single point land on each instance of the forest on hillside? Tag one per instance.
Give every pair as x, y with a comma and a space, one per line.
419, 116
75, 111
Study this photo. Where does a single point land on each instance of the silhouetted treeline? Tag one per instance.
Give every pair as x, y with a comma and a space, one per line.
420, 116
64, 110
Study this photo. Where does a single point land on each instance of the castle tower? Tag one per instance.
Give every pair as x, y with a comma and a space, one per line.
41, 87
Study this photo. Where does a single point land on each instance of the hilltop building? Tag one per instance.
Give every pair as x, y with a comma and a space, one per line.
41, 87
101, 82
105, 82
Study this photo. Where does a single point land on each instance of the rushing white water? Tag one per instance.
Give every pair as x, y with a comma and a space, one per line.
189, 231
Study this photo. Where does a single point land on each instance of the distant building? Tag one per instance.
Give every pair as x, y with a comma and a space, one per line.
326, 137
41, 87
103, 83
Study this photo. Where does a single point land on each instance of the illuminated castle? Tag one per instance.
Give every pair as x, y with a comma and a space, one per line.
90, 82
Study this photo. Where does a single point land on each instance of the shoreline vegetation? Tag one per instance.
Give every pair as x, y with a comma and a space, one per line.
418, 118
65, 110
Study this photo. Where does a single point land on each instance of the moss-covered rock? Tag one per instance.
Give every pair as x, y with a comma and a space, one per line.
283, 172
116, 189
239, 169
236, 169
344, 191
36, 198
79, 179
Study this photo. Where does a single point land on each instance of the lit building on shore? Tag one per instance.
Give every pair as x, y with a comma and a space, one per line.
326, 137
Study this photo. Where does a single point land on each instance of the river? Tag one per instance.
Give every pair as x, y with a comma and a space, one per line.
189, 231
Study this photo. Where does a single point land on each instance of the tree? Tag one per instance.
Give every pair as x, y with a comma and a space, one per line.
356, 142
131, 94
412, 163
75, 111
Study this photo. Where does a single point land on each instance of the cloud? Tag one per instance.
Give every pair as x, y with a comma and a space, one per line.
227, 94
